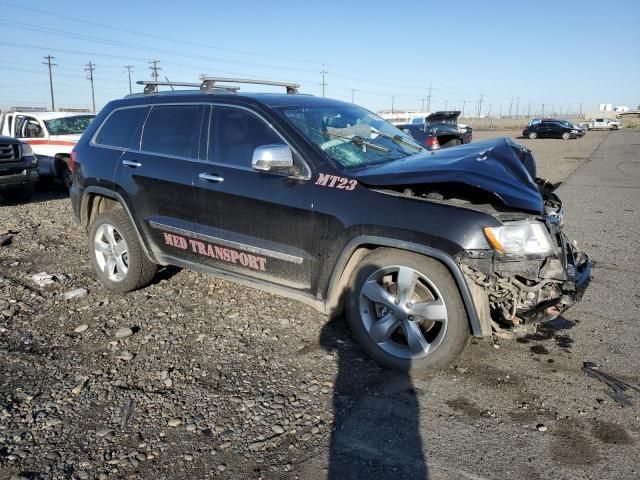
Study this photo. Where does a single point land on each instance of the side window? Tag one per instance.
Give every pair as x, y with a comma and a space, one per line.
173, 130
235, 133
121, 127
28, 127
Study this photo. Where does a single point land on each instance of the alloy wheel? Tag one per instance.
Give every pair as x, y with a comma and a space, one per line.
112, 252
403, 312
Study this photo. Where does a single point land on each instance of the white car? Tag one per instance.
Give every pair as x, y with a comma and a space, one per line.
52, 136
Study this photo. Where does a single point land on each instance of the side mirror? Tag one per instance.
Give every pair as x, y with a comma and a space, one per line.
267, 157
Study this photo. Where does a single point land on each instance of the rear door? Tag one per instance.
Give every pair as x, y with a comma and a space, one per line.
254, 223
156, 176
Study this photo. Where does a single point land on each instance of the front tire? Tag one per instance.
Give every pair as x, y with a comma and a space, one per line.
566, 136
63, 173
406, 312
533, 135
116, 254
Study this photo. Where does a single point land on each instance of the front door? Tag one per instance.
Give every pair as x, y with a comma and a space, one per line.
250, 222
157, 177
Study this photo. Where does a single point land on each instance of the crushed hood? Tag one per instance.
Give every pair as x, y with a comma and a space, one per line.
499, 165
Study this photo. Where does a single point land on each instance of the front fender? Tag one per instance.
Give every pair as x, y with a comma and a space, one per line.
333, 291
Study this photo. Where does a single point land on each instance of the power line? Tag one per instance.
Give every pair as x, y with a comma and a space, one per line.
48, 59
90, 67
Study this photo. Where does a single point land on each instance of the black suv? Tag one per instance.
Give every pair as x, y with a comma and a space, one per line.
325, 202
18, 169
550, 129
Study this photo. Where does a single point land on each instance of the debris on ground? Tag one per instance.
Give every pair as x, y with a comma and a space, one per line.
76, 293
42, 279
618, 387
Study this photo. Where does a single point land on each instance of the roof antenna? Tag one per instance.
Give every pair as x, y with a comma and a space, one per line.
167, 79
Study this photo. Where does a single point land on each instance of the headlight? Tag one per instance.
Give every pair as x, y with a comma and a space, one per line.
26, 150
574, 131
522, 238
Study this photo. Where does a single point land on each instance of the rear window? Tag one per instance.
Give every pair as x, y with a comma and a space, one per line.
121, 127
173, 130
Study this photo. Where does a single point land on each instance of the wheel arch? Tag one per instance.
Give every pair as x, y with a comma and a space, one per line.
357, 248
96, 200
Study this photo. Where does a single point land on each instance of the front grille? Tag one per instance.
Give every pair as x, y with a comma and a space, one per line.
9, 152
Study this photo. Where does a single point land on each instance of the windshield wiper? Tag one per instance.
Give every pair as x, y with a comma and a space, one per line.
397, 139
356, 140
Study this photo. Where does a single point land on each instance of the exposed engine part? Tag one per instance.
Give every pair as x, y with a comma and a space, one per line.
516, 301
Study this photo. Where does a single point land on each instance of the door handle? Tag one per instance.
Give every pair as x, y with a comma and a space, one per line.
131, 164
210, 178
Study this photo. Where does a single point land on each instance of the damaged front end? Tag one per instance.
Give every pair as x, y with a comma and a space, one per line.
518, 289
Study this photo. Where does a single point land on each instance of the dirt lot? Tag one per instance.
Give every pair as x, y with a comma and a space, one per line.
195, 377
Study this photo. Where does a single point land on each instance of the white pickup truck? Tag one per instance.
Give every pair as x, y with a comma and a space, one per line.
601, 123
52, 136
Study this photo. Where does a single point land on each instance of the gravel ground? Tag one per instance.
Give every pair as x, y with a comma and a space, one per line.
195, 377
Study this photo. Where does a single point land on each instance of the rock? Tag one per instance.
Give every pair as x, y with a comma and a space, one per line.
541, 427
278, 430
188, 458
306, 436
78, 388
126, 356
122, 333
222, 467
104, 432
175, 422
76, 293
81, 328
42, 279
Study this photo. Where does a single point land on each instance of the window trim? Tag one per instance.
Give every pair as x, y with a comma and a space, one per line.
305, 175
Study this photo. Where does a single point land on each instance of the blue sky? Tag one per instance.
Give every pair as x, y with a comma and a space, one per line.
552, 52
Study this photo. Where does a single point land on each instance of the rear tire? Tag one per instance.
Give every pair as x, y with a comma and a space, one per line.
116, 255
424, 326
64, 173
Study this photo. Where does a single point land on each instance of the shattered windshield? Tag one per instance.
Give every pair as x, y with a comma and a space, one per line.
69, 125
350, 135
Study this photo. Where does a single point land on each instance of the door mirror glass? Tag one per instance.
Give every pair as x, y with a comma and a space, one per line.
269, 157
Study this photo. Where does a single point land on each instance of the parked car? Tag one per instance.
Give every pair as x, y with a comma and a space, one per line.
601, 123
52, 135
550, 129
579, 128
439, 130
18, 169
327, 203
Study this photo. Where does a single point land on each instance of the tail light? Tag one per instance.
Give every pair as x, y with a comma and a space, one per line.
72, 162
432, 143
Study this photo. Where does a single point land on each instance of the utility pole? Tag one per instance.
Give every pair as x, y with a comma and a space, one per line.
48, 59
500, 112
529, 110
423, 100
542, 110
353, 94
446, 103
580, 114
324, 84
480, 107
511, 107
490, 105
393, 101
463, 104
429, 98
89, 68
129, 67
202, 76
154, 69
518, 107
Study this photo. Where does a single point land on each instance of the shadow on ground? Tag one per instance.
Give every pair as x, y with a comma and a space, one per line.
376, 428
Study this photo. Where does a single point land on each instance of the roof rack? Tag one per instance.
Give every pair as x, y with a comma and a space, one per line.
208, 83
152, 86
